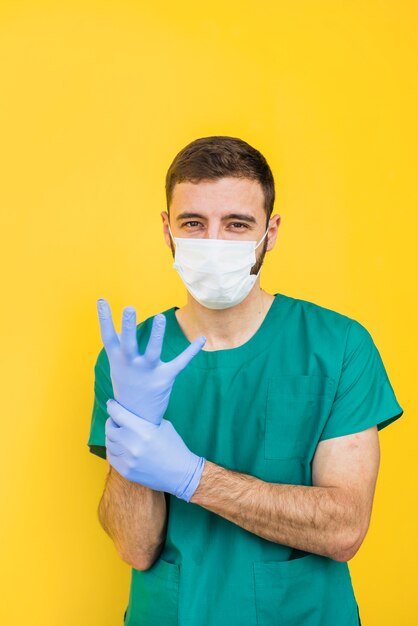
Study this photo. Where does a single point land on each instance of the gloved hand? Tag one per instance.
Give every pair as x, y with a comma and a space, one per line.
153, 455
142, 383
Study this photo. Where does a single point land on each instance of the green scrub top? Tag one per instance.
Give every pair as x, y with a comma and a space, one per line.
307, 374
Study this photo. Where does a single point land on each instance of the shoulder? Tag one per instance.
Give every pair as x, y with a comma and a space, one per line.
325, 321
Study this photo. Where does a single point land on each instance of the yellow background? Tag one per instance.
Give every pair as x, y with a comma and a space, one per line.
96, 100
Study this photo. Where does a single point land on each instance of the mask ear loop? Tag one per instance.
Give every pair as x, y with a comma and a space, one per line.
171, 234
256, 249
262, 239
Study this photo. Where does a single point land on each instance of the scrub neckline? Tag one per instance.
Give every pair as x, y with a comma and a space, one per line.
229, 357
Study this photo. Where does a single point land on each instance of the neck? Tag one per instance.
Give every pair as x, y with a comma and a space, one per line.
225, 328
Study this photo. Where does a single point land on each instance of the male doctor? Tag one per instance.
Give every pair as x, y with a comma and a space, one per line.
240, 430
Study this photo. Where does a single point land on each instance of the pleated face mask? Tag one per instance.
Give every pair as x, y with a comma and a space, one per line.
216, 271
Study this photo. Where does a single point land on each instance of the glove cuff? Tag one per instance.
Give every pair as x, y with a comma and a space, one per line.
186, 492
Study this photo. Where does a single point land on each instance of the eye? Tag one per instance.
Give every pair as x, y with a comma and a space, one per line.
189, 223
194, 224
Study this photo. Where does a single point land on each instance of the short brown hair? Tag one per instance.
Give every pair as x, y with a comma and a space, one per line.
209, 158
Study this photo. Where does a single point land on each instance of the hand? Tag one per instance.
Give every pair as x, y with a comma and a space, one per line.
153, 455
142, 383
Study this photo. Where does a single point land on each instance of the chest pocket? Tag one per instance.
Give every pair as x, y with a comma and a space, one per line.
296, 409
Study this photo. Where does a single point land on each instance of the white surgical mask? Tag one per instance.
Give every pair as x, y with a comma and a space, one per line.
216, 271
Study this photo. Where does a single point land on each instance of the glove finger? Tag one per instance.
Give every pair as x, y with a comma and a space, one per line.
112, 430
180, 362
114, 450
155, 342
107, 329
128, 340
121, 416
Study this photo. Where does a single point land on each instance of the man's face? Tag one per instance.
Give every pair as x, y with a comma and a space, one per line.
227, 208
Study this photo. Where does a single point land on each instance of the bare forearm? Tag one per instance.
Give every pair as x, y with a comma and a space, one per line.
134, 516
314, 519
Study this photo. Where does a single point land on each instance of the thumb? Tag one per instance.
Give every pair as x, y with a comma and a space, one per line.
120, 415
179, 363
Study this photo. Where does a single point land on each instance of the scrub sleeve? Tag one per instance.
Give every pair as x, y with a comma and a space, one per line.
307, 374
364, 396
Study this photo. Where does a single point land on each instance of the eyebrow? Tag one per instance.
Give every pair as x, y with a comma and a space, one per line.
236, 216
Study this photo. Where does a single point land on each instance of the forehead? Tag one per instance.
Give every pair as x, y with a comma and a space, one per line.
215, 197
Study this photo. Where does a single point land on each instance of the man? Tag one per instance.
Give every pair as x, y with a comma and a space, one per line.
241, 430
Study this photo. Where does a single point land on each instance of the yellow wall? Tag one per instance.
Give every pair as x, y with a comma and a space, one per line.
96, 100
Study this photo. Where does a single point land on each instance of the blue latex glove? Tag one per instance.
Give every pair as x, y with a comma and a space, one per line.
141, 383
153, 455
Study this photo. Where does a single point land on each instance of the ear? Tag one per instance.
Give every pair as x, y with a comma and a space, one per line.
165, 220
274, 224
